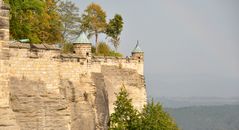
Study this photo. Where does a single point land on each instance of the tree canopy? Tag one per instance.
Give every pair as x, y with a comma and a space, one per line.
126, 117
155, 118
114, 29
70, 19
59, 21
94, 21
36, 20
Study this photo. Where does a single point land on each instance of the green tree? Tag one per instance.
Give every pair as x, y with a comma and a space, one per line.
114, 29
94, 21
125, 116
36, 20
49, 23
155, 118
22, 12
70, 19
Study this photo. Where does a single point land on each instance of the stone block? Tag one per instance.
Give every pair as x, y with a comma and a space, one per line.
4, 13
4, 23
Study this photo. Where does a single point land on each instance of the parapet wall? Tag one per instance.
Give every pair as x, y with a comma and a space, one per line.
52, 53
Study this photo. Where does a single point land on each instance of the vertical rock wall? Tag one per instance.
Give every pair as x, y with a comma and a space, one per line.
36, 109
116, 77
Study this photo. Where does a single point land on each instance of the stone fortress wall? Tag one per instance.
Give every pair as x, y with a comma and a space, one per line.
43, 89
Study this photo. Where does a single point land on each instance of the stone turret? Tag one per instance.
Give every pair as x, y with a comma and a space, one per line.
137, 53
82, 46
138, 56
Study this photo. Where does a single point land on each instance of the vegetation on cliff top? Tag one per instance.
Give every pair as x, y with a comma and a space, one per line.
94, 21
58, 21
105, 50
36, 20
126, 117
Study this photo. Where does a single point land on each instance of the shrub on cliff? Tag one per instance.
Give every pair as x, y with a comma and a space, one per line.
126, 117
67, 48
105, 50
115, 54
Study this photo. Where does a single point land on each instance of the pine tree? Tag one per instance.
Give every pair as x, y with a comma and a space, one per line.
125, 117
155, 118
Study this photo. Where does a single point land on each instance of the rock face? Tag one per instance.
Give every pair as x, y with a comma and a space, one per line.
36, 109
115, 77
42, 89
78, 106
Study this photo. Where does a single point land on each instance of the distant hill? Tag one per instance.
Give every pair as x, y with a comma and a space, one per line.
224, 117
177, 102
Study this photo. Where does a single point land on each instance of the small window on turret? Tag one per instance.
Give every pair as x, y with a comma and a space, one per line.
87, 53
139, 58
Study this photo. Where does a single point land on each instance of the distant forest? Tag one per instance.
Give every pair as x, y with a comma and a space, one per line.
224, 117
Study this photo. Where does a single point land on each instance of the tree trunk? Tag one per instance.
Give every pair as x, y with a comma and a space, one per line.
96, 42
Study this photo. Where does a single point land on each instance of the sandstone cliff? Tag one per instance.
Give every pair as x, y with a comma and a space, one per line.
42, 89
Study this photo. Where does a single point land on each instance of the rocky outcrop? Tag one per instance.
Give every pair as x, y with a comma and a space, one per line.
77, 106
36, 109
115, 77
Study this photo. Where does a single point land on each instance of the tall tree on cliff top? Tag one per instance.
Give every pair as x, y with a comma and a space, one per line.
70, 19
94, 21
36, 20
114, 29
50, 24
125, 116
21, 14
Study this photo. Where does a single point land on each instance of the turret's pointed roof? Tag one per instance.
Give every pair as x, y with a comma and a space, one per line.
82, 39
137, 48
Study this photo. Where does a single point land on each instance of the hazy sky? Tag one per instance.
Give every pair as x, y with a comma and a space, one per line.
191, 46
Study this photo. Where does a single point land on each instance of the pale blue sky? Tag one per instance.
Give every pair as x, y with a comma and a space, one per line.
191, 46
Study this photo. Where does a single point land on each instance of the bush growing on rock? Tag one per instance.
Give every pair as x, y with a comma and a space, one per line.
126, 117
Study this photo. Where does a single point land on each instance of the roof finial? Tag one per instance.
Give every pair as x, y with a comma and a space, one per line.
137, 49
